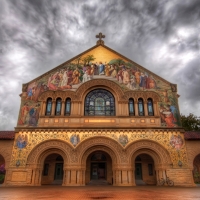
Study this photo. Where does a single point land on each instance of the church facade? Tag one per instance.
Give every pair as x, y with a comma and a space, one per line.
99, 117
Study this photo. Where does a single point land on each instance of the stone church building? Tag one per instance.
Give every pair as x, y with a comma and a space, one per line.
99, 118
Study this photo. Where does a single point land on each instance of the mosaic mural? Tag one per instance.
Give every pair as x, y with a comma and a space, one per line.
71, 75
29, 113
172, 141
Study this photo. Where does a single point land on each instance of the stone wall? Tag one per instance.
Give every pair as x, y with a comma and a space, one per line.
6, 150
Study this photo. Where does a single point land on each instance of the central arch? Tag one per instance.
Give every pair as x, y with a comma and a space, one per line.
100, 146
94, 166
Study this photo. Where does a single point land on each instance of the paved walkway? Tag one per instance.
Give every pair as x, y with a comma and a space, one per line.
99, 192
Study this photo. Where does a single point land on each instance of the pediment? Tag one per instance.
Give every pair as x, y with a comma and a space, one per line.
98, 62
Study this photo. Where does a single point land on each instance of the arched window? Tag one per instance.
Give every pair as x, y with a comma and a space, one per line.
150, 107
58, 106
68, 106
131, 107
49, 106
99, 102
140, 107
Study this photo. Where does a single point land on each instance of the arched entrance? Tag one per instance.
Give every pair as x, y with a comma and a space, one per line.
52, 172
155, 158
196, 169
49, 152
2, 169
98, 169
145, 170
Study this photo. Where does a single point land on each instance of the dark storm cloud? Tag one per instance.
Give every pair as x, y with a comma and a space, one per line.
36, 36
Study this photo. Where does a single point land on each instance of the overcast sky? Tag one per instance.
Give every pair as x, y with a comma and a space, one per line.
37, 35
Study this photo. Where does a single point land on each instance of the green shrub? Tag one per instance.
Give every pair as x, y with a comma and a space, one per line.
2, 177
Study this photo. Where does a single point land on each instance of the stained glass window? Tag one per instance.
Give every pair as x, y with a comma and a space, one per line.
49, 106
131, 107
140, 107
99, 102
58, 106
150, 107
68, 106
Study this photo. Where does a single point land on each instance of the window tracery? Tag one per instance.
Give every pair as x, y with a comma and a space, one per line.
58, 106
68, 106
99, 102
131, 107
150, 107
49, 106
140, 107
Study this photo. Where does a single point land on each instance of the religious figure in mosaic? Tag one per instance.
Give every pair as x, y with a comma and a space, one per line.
123, 139
22, 141
176, 142
75, 139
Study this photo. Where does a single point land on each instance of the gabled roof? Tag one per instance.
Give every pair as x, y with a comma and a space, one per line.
92, 48
192, 135
7, 135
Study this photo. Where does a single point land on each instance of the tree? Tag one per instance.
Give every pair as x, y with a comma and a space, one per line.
190, 122
118, 62
88, 59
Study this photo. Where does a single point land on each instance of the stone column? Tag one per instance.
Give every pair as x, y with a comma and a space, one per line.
63, 108
44, 105
37, 177
127, 177
79, 108
145, 108
83, 177
157, 177
136, 109
118, 177
124, 177
53, 108
78, 177
155, 109
64, 177
73, 177
131, 177
124, 111
68, 177
164, 173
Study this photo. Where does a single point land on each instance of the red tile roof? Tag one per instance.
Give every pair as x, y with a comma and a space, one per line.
7, 135
192, 135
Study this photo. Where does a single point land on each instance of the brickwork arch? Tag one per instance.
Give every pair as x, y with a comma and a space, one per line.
160, 155
6, 156
193, 150
42, 150
111, 86
57, 94
100, 143
98, 148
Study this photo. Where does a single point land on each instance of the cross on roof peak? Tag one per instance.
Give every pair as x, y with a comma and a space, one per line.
100, 36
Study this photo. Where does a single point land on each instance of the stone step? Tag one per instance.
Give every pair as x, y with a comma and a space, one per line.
140, 182
57, 182
98, 182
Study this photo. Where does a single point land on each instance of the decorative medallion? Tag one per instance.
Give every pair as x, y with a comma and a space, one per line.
75, 139
123, 140
22, 141
176, 142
